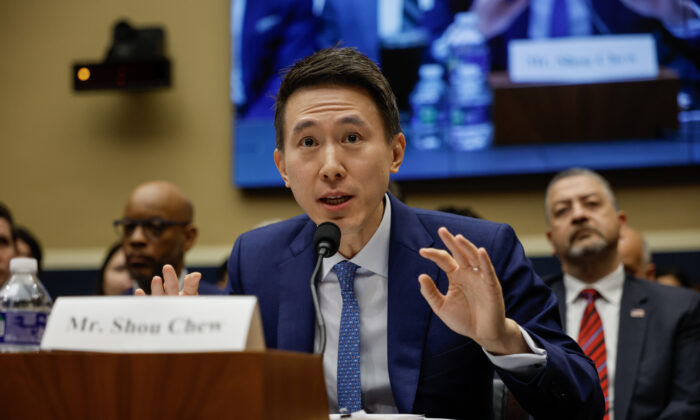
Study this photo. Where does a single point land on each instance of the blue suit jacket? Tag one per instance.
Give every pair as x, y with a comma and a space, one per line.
432, 370
658, 354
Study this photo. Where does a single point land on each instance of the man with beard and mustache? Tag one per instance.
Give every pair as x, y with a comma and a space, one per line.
643, 337
156, 231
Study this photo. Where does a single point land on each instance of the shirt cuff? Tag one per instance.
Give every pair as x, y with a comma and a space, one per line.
524, 365
689, 30
691, 27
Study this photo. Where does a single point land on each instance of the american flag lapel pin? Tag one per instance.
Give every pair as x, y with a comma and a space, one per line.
637, 313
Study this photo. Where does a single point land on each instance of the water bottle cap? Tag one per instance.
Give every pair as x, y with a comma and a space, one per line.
430, 71
23, 265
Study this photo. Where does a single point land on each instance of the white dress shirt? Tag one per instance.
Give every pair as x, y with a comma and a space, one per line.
372, 291
608, 307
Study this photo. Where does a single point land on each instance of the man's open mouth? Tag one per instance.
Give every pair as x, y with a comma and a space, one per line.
336, 200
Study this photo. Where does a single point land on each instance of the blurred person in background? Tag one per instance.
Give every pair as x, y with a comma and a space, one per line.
503, 20
157, 229
28, 245
7, 242
635, 255
113, 278
673, 276
675, 25
643, 337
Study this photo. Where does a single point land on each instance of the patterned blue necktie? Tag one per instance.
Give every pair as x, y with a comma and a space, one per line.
349, 386
559, 23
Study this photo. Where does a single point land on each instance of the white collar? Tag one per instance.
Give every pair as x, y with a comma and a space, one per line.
374, 256
609, 287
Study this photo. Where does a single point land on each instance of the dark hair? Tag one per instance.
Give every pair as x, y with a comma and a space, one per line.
7, 215
344, 67
26, 236
99, 285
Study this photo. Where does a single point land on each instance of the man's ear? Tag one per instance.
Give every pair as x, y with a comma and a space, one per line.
549, 239
398, 150
191, 233
622, 216
279, 162
650, 271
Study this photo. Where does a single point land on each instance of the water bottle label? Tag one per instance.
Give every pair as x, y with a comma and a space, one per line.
22, 327
480, 59
428, 115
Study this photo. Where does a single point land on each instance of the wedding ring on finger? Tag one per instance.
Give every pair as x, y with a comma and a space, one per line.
476, 268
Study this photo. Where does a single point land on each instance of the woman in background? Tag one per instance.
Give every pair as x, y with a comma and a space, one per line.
113, 277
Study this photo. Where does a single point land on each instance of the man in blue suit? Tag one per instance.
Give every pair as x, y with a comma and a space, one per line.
650, 334
430, 314
437, 311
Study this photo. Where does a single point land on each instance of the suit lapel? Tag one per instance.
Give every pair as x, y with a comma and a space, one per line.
408, 313
295, 324
634, 312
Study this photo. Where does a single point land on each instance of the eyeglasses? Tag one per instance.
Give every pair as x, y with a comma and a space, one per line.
152, 227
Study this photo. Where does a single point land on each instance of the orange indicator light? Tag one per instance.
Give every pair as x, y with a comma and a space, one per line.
83, 74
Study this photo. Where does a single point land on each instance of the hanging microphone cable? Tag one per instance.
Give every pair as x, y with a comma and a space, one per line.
326, 244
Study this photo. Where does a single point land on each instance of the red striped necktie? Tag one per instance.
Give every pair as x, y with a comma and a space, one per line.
591, 338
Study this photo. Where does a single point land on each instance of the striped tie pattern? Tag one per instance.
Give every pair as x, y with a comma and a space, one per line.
591, 338
349, 385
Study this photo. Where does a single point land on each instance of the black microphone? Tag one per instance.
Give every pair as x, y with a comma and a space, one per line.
326, 244
327, 239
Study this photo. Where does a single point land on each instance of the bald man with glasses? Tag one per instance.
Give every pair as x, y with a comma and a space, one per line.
157, 230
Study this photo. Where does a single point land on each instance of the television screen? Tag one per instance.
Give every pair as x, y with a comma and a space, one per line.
461, 114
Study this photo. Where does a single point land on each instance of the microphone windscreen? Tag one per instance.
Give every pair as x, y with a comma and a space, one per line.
327, 235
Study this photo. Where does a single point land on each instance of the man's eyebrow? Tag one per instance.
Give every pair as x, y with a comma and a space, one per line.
353, 119
581, 197
302, 125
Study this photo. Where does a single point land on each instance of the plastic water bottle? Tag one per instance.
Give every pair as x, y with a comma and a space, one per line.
428, 103
470, 95
24, 308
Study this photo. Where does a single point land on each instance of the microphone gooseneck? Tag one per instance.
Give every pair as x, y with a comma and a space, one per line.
326, 244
